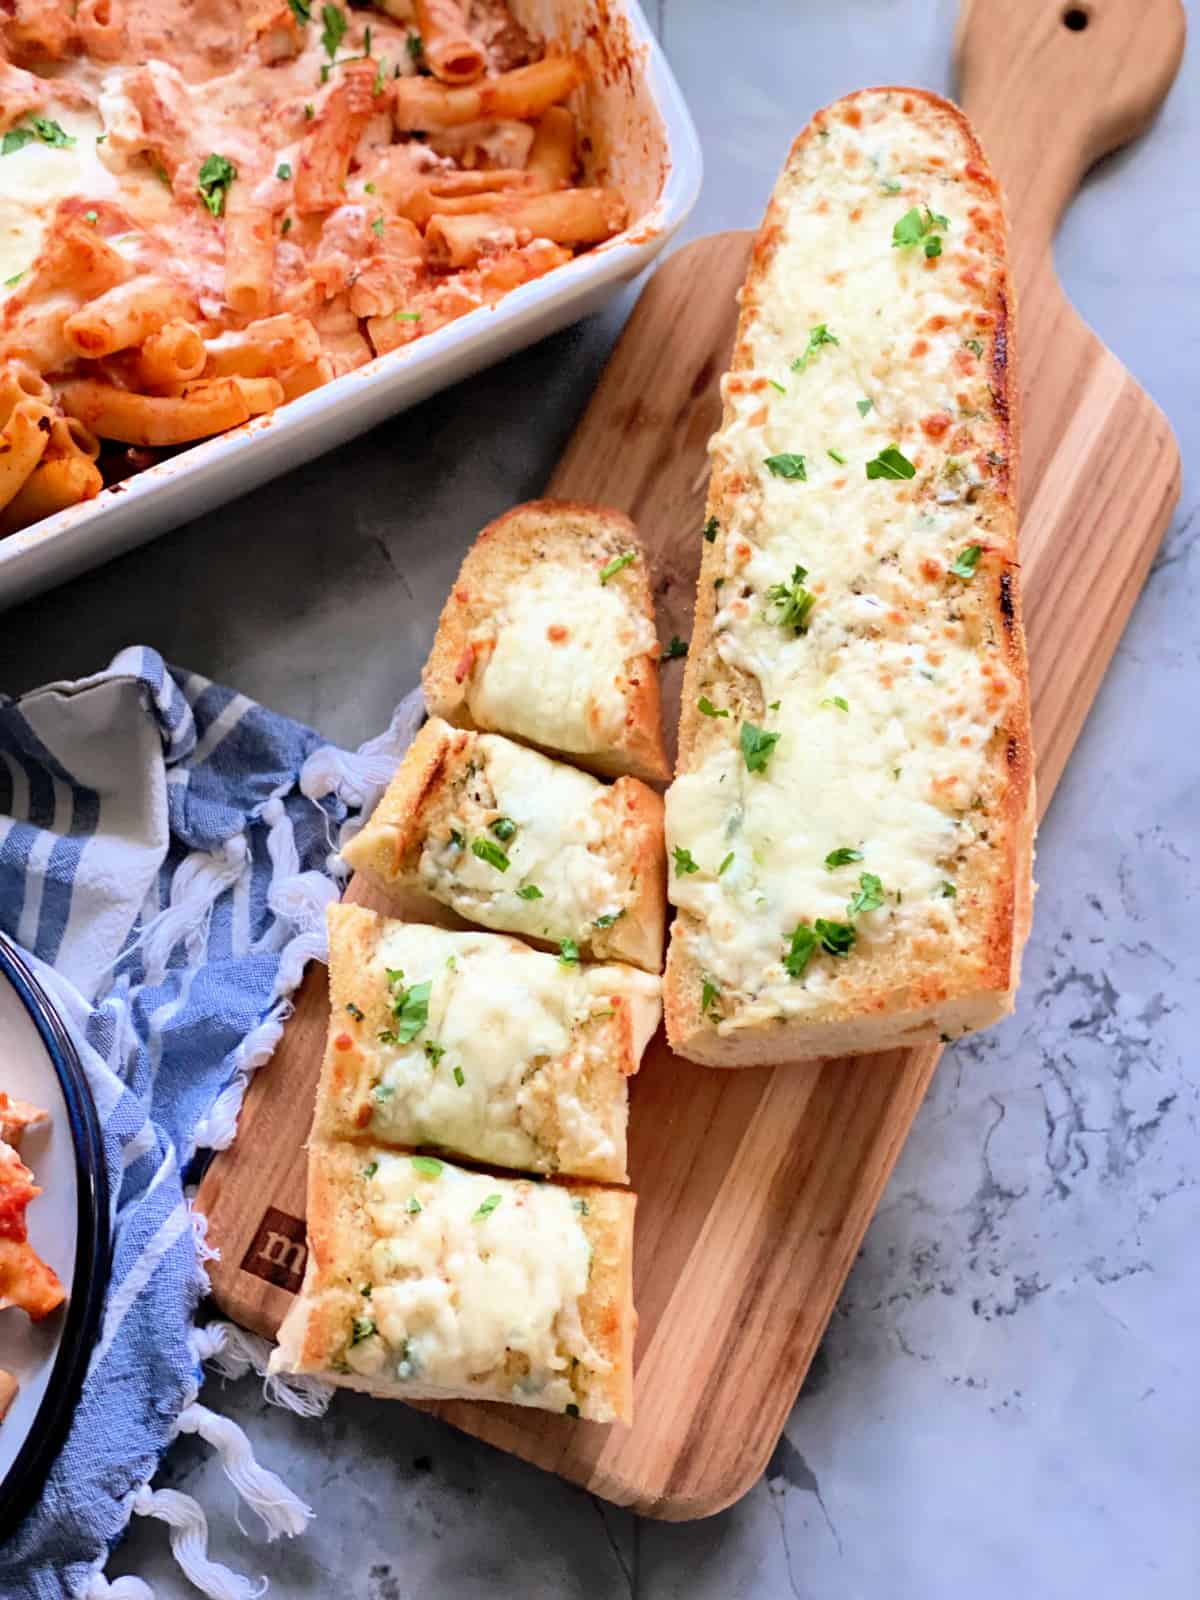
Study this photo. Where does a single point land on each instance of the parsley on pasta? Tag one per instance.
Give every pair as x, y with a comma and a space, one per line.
216, 175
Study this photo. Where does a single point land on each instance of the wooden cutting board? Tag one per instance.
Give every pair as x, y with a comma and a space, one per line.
756, 1187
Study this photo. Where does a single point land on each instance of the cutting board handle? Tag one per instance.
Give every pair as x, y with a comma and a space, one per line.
1053, 85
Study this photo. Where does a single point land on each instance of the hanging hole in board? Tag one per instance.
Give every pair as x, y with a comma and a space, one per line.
1075, 18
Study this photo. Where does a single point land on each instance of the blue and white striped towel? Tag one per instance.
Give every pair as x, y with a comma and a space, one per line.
165, 856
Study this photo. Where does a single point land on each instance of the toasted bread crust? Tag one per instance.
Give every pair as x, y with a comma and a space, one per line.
419, 804
908, 998
581, 537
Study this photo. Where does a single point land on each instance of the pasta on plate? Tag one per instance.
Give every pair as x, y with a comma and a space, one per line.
209, 209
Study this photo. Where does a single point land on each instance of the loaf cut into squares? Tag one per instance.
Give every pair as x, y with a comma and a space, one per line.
548, 635
512, 840
474, 1044
425, 1281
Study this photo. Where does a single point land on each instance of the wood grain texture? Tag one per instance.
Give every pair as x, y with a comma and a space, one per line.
756, 1187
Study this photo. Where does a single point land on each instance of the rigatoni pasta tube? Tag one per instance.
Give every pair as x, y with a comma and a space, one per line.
524, 93
19, 381
23, 442
327, 148
51, 486
452, 53
172, 356
124, 316
205, 408
249, 258
570, 217
264, 349
101, 27
552, 154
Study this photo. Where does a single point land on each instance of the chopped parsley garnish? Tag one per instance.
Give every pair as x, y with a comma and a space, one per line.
364, 1289
580, 1205
711, 528
837, 700
459, 1077
434, 1052
414, 1206
974, 346
369, 1171
685, 862
571, 1409
945, 890
334, 30
503, 828
966, 561
709, 994
842, 857
491, 853
427, 1166
415, 46
793, 601
889, 463
285, 227
377, 227
15, 279
863, 406
890, 185
609, 917
869, 896
777, 386
214, 180
91, 216
406, 316
787, 465
818, 336
568, 953
676, 649
380, 80
41, 129
757, 745
706, 708
309, 113
836, 455
458, 840
411, 1009
368, 188
917, 229
283, 170
800, 951
529, 891
301, 10
354, 1011
835, 938
384, 1091
486, 1207
725, 865
364, 1327
617, 564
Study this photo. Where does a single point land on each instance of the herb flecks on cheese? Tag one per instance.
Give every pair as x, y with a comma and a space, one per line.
884, 692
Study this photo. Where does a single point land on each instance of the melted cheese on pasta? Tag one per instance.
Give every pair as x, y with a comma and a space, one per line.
559, 847
473, 1277
558, 671
886, 705
498, 1014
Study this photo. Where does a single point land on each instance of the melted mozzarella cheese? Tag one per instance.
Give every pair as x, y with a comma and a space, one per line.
559, 847
500, 1015
556, 673
886, 704
469, 1271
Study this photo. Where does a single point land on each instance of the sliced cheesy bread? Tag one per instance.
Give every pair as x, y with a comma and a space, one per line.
474, 1044
851, 826
512, 840
428, 1282
548, 635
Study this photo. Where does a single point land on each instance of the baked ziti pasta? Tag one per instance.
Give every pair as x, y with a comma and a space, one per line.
206, 211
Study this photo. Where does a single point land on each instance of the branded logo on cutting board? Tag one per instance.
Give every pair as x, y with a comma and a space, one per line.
278, 1251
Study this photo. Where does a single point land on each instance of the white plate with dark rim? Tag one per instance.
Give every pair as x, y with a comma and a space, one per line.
68, 1227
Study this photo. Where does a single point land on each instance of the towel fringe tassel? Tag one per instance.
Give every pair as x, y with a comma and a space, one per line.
264, 1491
189, 1544
233, 1352
101, 1588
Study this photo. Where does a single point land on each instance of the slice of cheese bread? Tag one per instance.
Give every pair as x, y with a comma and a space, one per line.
548, 635
852, 821
428, 1282
510, 839
474, 1044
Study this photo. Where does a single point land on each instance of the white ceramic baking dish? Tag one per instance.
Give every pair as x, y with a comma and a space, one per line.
642, 141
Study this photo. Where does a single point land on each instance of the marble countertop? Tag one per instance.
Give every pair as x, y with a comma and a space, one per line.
1005, 1400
